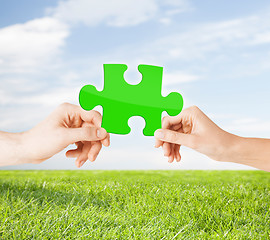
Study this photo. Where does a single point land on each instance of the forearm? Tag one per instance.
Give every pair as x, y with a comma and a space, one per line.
11, 150
254, 152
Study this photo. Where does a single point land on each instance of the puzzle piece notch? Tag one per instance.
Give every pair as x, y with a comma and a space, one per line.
120, 100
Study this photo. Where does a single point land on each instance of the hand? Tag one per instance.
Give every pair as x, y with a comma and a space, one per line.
192, 128
68, 124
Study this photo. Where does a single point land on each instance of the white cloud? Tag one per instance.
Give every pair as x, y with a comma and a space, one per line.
177, 4
206, 38
48, 97
243, 126
54, 97
250, 127
23, 107
117, 13
178, 77
165, 21
26, 46
261, 38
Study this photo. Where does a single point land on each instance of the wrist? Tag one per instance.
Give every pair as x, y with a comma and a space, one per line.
229, 147
242, 151
18, 149
11, 148
253, 152
234, 148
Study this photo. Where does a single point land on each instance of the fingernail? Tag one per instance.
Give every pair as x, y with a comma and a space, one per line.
81, 163
91, 158
156, 145
106, 143
98, 133
159, 134
101, 133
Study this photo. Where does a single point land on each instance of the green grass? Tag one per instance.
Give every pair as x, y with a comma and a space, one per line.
134, 205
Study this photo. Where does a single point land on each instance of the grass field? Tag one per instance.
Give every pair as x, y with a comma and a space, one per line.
134, 205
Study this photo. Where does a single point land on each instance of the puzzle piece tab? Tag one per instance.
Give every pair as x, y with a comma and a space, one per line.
120, 100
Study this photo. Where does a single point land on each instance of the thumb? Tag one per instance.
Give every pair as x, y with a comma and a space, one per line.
170, 136
85, 134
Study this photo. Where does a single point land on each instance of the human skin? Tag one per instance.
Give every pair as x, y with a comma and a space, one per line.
68, 124
193, 129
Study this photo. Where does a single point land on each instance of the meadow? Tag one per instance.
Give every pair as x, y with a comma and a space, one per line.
134, 205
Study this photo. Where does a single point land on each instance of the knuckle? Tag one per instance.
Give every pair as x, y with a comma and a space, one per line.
91, 133
88, 132
194, 108
191, 110
165, 120
96, 118
172, 137
95, 113
64, 105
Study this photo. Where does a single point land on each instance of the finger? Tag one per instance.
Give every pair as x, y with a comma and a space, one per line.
176, 127
88, 116
81, 160
169, 121
167, 125
166, 149
170, 136
170, 159
84, 154
96, 118
70, 111
177, 152
171, 155
158, 143
84, 134
94, 151
106, 142
75, 152
91, 117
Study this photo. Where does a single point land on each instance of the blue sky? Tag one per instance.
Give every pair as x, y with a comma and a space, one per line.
216, 54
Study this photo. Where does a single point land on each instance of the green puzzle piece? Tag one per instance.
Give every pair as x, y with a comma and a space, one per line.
120, 100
